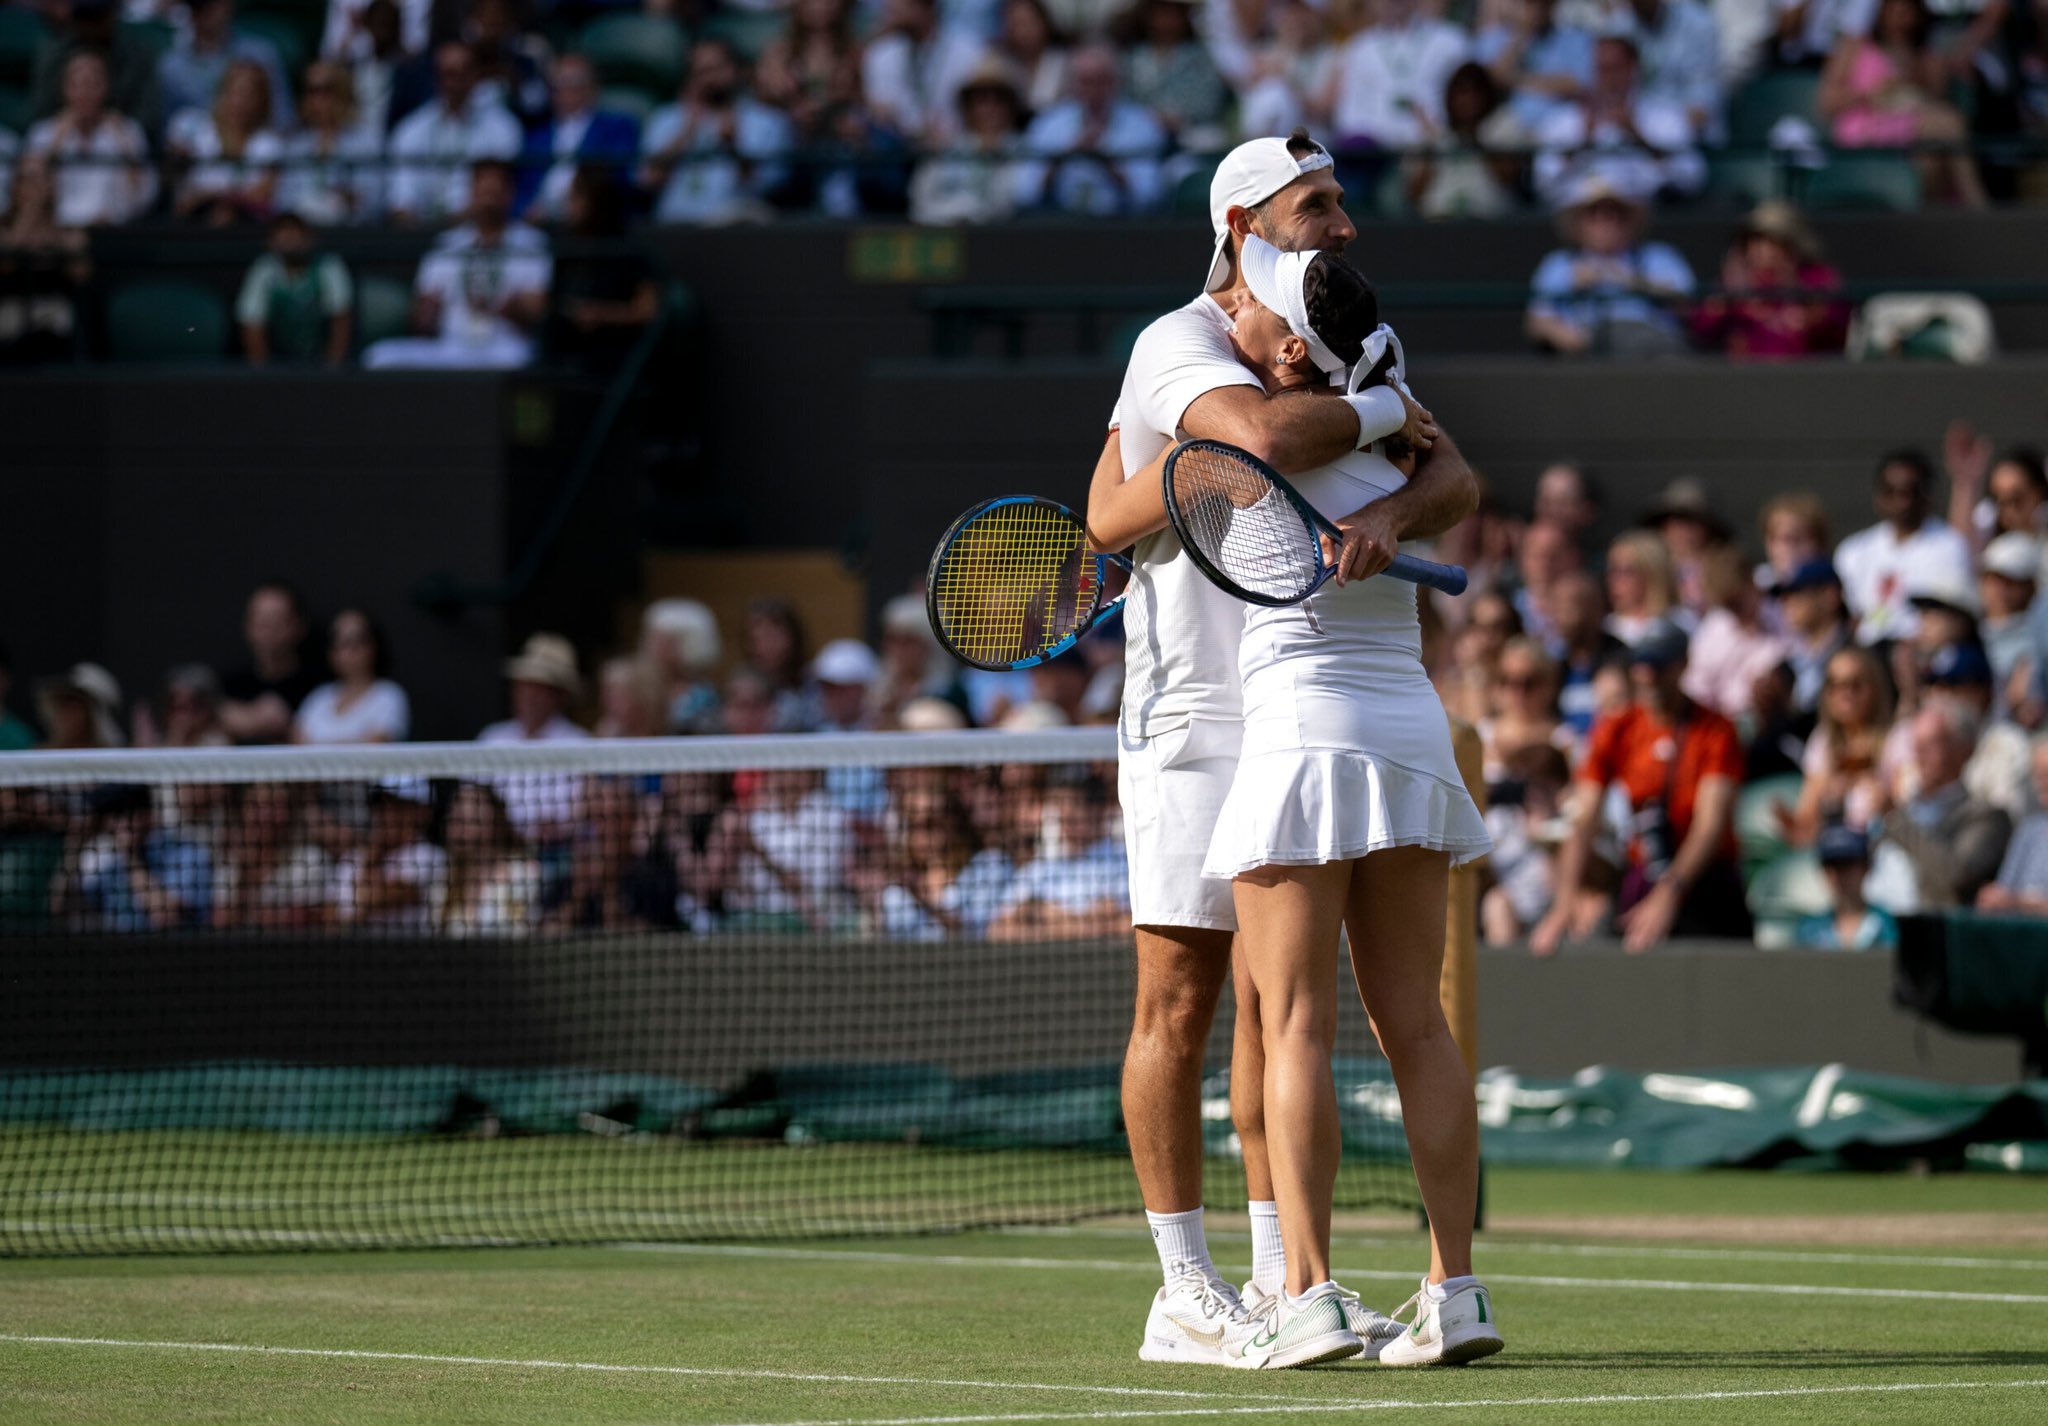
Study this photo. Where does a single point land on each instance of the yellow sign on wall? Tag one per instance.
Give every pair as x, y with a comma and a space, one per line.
906, 255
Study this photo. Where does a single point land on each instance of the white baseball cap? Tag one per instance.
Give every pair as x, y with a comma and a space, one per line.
1250, 174
2013, 555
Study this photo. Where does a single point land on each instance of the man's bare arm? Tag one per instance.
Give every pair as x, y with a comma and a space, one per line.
1291, 433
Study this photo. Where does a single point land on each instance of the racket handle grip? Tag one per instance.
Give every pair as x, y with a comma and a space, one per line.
1447, 577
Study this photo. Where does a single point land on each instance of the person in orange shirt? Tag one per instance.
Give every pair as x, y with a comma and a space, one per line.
1680, 765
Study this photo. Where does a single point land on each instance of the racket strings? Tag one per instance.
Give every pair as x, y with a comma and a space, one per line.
1232, 515
1015, 581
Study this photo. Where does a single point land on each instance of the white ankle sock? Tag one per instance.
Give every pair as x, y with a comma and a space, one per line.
1269, 1257
1181, 1242
1321, 1289
1441, 1291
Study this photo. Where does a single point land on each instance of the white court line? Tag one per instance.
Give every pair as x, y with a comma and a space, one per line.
1769, 1289
1290, 1408
253, 1349
1599, 1250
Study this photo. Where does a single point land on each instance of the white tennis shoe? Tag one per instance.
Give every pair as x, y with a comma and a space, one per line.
1286, 1333
1457, 1330
1375, 1329
1193, 1318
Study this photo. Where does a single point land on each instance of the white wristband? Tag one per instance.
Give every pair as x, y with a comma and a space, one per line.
1380, 413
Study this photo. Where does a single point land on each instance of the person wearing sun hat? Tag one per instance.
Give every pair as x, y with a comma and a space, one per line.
80, 708
2008, 578
1180, 725
1607, 290
1778, 298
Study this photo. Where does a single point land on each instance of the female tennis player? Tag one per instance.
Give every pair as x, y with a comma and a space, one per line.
1347, 808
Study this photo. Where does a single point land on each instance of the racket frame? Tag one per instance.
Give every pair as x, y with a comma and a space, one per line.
1446, 577
1103, 564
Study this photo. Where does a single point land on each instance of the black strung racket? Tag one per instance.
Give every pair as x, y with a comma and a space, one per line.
1254, 536
1013, 583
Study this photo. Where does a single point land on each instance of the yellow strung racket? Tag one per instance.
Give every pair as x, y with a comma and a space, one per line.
1013, 583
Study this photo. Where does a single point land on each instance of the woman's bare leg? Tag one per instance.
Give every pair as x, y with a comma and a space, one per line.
1395, 916
1287, 921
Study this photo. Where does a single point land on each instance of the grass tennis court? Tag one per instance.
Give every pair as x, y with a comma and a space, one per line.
1627, 1297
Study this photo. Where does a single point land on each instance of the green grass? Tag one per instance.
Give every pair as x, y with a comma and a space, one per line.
1042, 1326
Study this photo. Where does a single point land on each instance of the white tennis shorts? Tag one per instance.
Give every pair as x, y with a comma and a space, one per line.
1172, 787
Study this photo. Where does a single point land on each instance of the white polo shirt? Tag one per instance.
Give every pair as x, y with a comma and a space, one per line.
1881, 572
1180, 631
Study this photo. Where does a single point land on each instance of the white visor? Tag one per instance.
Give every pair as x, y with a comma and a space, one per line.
1274, 278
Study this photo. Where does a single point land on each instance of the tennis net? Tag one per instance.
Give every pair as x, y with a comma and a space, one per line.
460, 994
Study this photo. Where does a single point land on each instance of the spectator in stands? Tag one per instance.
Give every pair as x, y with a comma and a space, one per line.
813, 64
840, 678
1080, 888
44, 265
913, 666
1466, 167
1684, 520
511, 66
188, 715
80, 708
1095, 154
1996, 773
1524, 815
1908, 548
297, 303
1568, 498
1850, 924
491, 887
1843, 767
1816, 627
262, 694
351, 31
1680, 49
932, 880
1543, 66
1393, 73
630, 699
1777, 299
776, 649
436, 148
1680, 765
1641, 591
99, 155
1884, 90
2022, 882
748, 707
577, 132
1169, 72
360, 704
543, 681
2015, 497
716, 154
679, 640
794, 845
1466, 683
913, 66
190, 74
1640, 145
1952, 844
1581, 646
1035, 51
130, 875
2011, 572
375, 63
1063, 683
333, 164
1731, 649
128, 64
482, 290
1523, 711
1546, 554
1285, 79
975, 180
15, 734
231, 154
1607, 290
273, 875
604, 294
1794, 529
386, 881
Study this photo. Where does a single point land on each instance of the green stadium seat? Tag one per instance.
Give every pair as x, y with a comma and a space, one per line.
307, 18
14, 110
1743, 180
1769, 98
156, 34
21, 35
1788, 887
1390, 195
167, 321
285, 36
383, 309
1191, 193
642, 50
1756, 824
747, 31
631, 99
1866, 181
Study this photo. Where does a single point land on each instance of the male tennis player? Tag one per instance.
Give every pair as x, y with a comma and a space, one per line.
1179, 727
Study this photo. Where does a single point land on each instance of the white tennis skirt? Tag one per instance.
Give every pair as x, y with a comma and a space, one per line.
1332, 773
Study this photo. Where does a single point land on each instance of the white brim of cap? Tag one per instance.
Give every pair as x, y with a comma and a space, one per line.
1219, 264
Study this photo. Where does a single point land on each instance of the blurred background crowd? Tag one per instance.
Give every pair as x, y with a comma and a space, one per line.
1710, 725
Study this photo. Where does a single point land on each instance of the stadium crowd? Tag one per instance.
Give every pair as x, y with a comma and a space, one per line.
1679, 739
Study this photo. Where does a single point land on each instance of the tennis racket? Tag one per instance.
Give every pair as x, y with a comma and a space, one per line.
1013, 583
1254, 536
